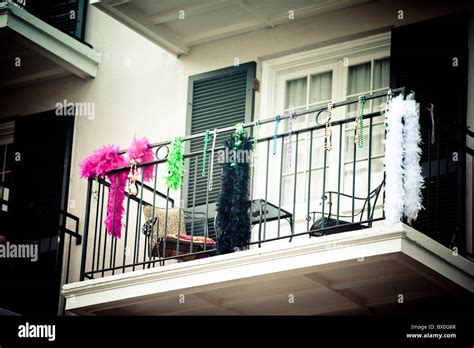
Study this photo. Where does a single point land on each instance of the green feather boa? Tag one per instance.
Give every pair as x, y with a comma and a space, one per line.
175, 164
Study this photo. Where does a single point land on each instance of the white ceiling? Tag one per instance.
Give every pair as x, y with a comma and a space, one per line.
209, 20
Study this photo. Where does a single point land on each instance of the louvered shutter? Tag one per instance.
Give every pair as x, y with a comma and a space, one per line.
216, 99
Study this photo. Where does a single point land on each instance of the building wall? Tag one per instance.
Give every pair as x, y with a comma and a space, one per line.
142, 90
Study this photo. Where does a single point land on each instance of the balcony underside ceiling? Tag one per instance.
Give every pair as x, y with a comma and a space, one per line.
350, 273
178, 25
34, 51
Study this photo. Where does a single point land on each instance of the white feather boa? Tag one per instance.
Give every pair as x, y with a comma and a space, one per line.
403, 179
412, 178
394, 161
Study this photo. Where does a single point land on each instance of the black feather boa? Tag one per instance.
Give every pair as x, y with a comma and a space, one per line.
233, 220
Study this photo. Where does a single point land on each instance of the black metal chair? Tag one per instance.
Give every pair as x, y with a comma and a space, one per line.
331, 224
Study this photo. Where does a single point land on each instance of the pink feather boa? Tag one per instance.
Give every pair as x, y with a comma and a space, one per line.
107, 158
97, 165
140, 152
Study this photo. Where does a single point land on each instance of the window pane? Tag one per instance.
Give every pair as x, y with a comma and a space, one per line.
363, 152
287, 189
317, 186
349, 146
320, 87
301, 155
379, 104
381, 73
361, 176
299, 123
351, 110
317, 154
295, 93
378, 133
359, 79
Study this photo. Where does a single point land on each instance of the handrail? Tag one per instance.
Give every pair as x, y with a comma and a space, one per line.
138, 182
64, 229
262, 139
284, 116
469, 132
69, 215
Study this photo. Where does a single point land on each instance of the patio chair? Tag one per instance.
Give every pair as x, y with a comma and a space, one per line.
177, 242
332, 224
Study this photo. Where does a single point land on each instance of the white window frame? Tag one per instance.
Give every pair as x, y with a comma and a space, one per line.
337, 57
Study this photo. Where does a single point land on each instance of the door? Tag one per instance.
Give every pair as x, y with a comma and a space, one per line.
430, 58
346, 76
39, 186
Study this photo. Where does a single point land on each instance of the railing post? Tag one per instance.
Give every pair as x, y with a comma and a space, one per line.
86, 229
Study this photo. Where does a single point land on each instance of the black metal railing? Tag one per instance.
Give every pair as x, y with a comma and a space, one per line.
69, 16
322, 192
53, 262
64, 254
67, 235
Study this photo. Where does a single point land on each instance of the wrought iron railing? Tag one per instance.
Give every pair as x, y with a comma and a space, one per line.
326, 192
63, 259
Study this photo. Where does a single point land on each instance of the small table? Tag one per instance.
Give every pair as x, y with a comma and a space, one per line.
263, 211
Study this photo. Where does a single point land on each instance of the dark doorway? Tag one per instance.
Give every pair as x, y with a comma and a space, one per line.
39, 186
431, 58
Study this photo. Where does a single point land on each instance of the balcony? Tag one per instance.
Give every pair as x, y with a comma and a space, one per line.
42, 42
319, 241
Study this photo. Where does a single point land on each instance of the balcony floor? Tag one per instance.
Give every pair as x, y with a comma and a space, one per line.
358, 272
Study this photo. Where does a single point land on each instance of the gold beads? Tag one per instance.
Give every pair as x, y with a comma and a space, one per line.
328, 130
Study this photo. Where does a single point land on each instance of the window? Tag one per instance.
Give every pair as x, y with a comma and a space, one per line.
310, 91
314, 78
313, 90
365, 79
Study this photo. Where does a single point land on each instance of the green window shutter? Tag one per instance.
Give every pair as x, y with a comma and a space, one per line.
216, 99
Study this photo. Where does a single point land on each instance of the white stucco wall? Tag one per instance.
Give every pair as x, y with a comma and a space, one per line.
141, 90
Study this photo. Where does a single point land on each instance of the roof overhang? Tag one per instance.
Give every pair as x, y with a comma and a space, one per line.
44, 51
177, 26
352, 272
